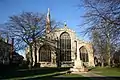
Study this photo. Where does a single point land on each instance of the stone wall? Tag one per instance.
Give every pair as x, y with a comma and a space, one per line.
55, 37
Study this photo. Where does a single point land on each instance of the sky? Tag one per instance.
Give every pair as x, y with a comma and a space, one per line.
60, 10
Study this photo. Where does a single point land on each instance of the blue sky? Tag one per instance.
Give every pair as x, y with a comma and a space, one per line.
61, 10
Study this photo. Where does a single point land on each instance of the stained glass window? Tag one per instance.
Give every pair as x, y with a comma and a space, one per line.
83, 54
45, 54
65, 47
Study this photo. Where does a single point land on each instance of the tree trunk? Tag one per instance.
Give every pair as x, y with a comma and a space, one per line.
109, 57
109, 61
35, 52
31, 57
102, 62
108, 46
108, 53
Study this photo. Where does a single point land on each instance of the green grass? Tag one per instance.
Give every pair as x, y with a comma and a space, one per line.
72, 75
107, 71
40, 74
69, 75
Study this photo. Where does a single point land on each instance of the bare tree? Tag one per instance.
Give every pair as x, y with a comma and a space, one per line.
103, 16
26, 28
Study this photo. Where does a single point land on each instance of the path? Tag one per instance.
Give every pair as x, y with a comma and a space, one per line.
94, 76
89, 74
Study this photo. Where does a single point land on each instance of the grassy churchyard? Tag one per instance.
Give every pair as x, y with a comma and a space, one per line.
39, 74
107, 71
55, 74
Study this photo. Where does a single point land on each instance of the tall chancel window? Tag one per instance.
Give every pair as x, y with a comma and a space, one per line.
83, 54
45, 54
65, 47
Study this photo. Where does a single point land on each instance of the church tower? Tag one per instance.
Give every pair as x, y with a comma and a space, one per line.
48, 22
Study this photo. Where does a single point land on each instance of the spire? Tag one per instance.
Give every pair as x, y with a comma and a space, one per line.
48, 25
48, 15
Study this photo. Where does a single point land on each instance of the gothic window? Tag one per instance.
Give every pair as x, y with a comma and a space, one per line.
65, 47
45, 54
83, 54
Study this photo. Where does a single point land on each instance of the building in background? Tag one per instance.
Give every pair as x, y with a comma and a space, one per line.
62, 47
7, 53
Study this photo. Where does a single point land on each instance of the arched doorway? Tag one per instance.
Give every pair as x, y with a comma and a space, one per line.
45, 54
83, 54
65, 47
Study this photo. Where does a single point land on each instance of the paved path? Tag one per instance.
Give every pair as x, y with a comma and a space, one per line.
88, 74
94, 76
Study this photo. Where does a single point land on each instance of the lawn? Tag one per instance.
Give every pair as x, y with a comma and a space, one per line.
52, 74
107, 71
39, 74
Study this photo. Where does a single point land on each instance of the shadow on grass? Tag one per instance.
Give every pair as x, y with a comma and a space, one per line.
43, 74
13, 73
60, 76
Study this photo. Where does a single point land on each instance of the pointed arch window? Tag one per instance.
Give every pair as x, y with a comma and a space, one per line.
45, 54
65, 47
83, 54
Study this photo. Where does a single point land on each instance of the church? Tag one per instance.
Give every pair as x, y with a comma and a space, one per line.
62, 48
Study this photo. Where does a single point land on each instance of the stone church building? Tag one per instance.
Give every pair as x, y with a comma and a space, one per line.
62, 48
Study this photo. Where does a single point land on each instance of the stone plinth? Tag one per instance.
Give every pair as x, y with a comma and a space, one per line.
78, 66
